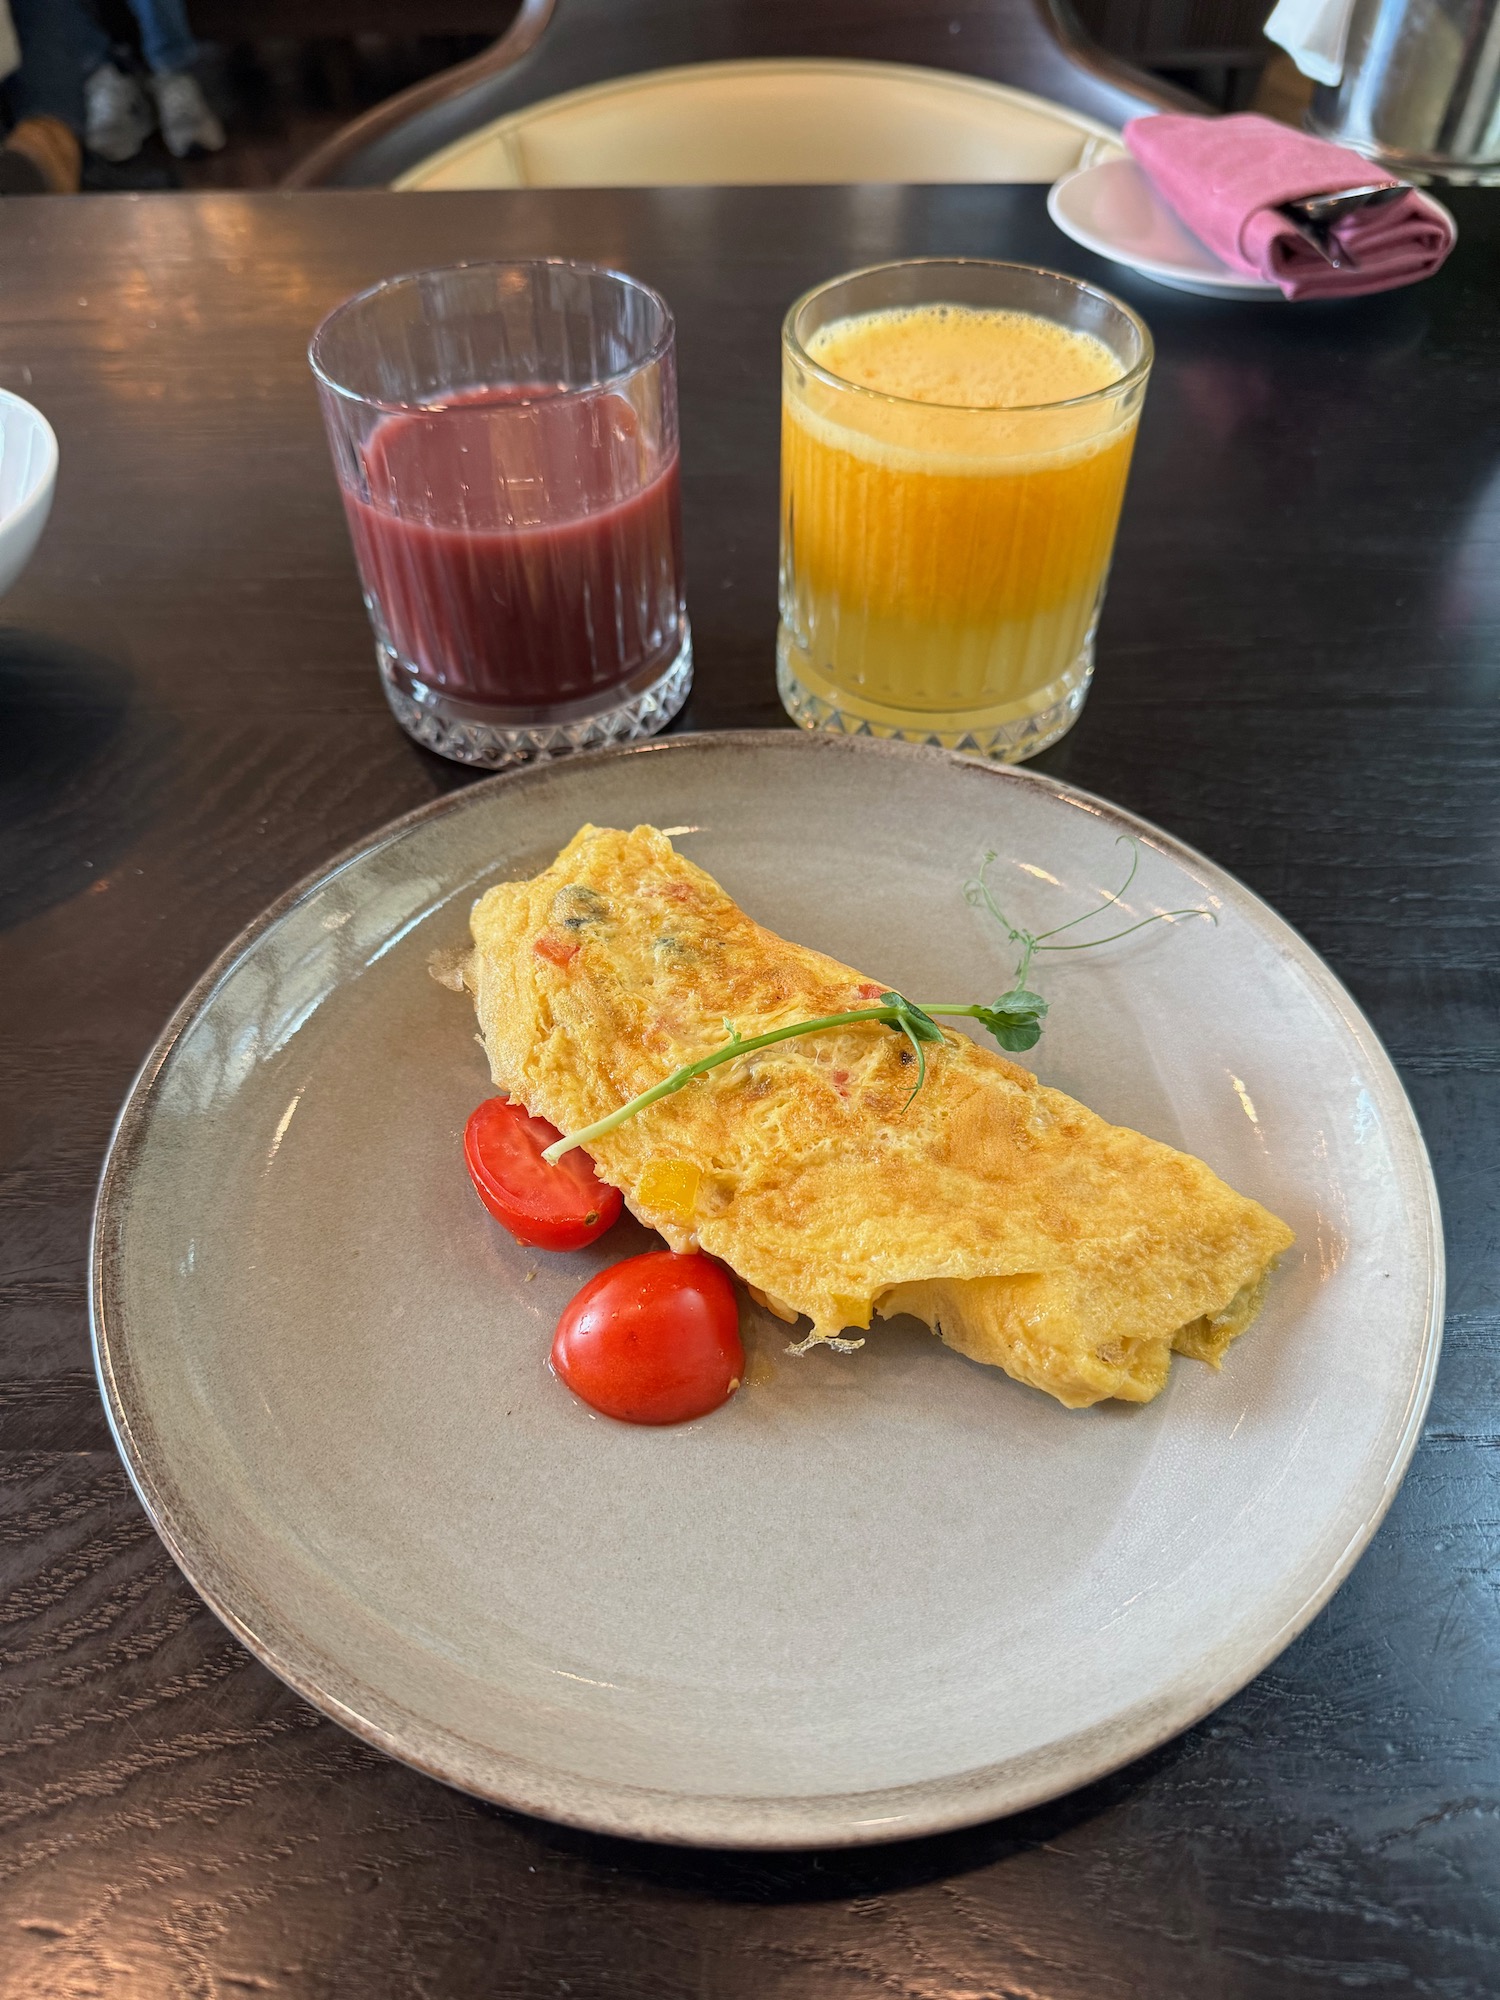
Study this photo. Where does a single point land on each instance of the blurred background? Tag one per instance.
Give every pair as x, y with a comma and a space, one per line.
284, 75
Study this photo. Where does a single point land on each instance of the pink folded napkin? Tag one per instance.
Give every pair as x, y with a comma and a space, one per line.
1226, 178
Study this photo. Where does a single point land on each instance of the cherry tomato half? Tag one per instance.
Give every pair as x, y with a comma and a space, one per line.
655, 1340
555, 1208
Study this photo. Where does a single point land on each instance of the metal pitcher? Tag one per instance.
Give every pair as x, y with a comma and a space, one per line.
1421, 88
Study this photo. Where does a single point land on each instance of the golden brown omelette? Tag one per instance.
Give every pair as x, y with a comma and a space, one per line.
1028, 1233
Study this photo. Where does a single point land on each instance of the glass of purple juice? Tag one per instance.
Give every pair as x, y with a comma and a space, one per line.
505, 439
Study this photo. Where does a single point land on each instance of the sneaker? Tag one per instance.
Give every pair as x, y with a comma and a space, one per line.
117, 118
187, 123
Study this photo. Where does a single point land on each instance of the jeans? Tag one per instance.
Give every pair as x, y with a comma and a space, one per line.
57, 38
62, 43
166, 39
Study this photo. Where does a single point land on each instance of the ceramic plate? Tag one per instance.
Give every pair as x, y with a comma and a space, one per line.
1113, 209
877, 1594
1109, 206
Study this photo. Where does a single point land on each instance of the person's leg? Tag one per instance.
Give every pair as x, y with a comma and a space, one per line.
166, 39
188, 124
67, 71
61, 43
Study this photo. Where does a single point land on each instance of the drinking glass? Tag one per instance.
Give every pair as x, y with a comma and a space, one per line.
943, 561
505, 439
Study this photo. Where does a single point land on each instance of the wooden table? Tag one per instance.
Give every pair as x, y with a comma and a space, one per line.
1298, 673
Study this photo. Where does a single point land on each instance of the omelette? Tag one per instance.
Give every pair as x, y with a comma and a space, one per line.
1028, 1233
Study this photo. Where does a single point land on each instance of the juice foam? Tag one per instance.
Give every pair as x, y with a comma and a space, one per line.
966, 357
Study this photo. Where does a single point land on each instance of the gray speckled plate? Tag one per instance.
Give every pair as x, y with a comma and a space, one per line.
877, 1594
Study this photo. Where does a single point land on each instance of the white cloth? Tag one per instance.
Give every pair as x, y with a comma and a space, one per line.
1314, 34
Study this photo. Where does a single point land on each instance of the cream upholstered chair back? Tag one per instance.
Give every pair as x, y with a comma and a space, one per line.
789, 120
619, 92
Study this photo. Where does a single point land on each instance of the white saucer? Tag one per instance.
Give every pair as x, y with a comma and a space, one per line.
1112, 208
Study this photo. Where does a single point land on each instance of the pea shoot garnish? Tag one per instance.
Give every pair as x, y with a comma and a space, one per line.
1014, 1020
898, 1013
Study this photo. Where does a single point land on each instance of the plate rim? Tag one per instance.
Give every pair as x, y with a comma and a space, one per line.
770, 1823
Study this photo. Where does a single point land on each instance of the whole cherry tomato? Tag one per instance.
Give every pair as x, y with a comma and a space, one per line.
555, 1208
655, 1340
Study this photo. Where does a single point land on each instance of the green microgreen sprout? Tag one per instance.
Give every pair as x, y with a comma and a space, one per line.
897, 1012
1014, 1020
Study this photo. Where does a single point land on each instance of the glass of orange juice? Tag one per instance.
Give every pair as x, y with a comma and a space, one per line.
955, 440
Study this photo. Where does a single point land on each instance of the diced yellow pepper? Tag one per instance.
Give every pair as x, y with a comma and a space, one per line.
671, 1185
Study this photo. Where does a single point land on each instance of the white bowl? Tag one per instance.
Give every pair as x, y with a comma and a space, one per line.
28, 478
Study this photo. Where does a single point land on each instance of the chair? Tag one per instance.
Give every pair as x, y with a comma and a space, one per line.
661, 92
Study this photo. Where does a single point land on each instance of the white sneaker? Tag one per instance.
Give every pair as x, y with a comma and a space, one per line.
117, 118
187, 123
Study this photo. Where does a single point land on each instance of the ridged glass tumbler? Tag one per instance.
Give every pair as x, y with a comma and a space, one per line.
505, 440
944, 549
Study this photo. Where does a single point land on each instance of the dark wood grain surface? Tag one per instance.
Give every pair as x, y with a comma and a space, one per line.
1299, 670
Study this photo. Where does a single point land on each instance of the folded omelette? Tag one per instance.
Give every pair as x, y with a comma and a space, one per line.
1028, 1233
